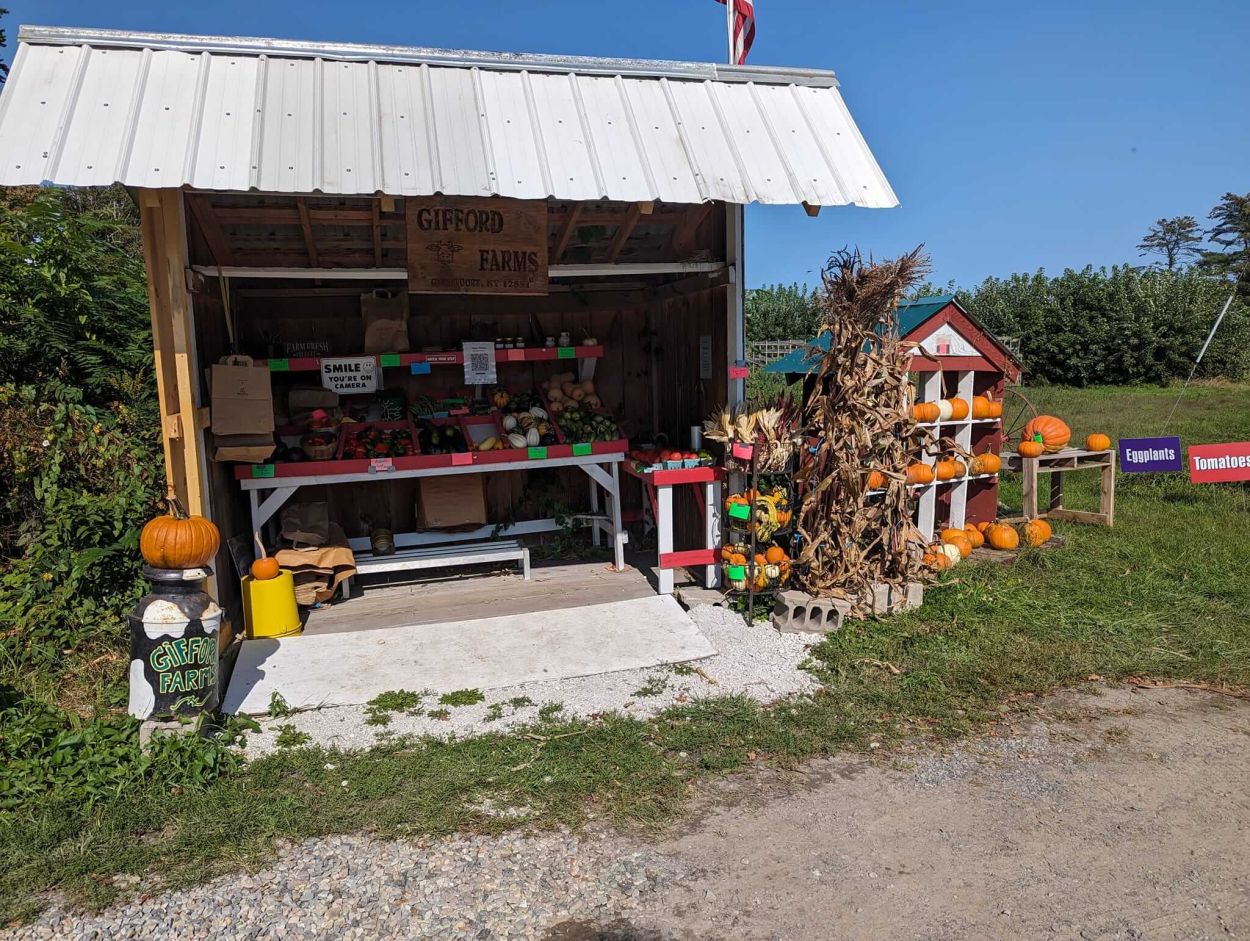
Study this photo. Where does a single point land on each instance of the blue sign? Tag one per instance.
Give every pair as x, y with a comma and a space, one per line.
1150, 455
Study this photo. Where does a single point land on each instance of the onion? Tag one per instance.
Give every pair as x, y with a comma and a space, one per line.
577, 395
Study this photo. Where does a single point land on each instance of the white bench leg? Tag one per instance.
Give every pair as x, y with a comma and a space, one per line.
525, 565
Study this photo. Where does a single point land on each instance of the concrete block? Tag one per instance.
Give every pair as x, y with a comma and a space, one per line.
889, 599
798, 613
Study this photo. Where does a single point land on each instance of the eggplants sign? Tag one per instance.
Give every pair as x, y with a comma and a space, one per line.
476, 246
1150, 455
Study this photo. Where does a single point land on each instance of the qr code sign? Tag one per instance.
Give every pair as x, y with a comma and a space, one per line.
479, 363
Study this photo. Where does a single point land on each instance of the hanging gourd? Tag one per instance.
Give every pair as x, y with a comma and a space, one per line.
1097, 442
1055, 433
178, 541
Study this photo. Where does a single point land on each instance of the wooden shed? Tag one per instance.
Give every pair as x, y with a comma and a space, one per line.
480, 198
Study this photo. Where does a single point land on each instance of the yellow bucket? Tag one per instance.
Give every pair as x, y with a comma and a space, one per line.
269, 606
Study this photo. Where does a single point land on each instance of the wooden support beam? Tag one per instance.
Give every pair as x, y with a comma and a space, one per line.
811, 210
310, 243
646, 208
387, 203
377, 234
623, 232
562, 243
210, 228
684, 234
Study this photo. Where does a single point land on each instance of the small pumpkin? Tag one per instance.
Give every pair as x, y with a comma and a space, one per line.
960, 541
1001, 536
974, 536
996, 408
950, 533
1097, 442
952, 552
775, 555
876, 480
987, 463
937, 560
925, 411
1036, 533
959, 409
948, 469
1055, 433
944, 409
178, 541
981, 407
265, 568
919, 473
1031, 448
984, 525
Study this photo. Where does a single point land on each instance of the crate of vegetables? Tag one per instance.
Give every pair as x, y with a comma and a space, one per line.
580, 424
373, 440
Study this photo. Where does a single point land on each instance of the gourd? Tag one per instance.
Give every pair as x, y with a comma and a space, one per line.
876, 480
925, 411
959, 409
919, 473
1031, 448
1036, 532
952, 553
178, 541
265, 568
974, 536
1097, 442
1001, 536
533, 438
987, 463
981, 407
1054, 432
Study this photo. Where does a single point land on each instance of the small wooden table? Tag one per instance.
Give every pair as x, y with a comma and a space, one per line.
658, 486
1057, 464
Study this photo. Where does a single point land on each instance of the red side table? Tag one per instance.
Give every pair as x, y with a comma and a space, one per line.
658, 486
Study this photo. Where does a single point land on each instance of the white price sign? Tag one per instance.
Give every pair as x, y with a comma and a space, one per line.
348, 375
479, 363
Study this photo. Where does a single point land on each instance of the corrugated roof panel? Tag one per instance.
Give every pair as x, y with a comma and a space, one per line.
278, 117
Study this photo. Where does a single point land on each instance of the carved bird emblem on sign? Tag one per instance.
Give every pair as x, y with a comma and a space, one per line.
445, 251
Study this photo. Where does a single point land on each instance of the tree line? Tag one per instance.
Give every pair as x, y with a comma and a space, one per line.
1117, 325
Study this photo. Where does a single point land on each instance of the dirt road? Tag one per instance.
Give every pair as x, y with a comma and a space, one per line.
1120, 815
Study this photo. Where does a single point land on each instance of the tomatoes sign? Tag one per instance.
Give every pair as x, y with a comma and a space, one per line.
1219, 463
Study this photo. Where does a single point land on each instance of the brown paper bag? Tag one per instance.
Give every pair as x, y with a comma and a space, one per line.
242, 398
385, 315
306, 524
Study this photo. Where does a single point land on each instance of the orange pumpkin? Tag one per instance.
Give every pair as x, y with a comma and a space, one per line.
876, 480
1030, 448
737, 558
947, 469
775, 555
761, 559
983, 526
981, 407
1055, 433
1001, 536
974, 536
178, 541
265, 568
959, 409
925, 411
938, 560
1036, 532
987, 463
919, 473
1097, 442
949, 533
961, 542
996, 409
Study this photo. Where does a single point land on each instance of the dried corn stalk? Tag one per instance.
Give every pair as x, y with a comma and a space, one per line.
859, 412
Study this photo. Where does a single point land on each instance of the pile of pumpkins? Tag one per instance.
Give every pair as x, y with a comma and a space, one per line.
956, 544
982, 406
949, 468
768, 569
1047, 434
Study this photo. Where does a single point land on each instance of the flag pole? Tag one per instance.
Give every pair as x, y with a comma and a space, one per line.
729, 30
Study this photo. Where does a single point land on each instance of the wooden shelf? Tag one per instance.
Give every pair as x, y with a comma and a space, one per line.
536, 354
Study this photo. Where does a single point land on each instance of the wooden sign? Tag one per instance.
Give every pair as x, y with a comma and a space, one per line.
465, 245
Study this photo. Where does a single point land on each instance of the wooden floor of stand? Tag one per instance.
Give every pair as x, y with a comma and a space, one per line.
1069, 460
494, 594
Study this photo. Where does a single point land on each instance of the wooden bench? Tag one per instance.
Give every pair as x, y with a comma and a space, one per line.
1058, 464
441, 556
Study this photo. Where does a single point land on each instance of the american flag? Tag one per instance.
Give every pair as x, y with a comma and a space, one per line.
743, 29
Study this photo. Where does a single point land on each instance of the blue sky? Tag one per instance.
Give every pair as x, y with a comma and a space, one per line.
1017, 135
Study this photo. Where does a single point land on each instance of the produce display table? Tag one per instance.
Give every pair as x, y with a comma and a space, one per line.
269, 486
1057, 464
658, 486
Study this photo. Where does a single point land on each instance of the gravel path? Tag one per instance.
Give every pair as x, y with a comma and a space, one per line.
354, 887
755, 660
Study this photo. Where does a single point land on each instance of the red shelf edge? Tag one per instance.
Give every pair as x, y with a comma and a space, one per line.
535, 354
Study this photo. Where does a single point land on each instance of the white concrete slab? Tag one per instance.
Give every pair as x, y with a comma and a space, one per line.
349, 669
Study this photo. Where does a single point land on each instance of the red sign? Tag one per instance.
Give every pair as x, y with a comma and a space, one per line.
1219, 463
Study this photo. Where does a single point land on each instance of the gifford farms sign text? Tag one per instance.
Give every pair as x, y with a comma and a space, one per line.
476, 246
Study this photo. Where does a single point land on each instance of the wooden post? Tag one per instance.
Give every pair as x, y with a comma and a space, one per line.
1106, 500
1028, 468
173, 344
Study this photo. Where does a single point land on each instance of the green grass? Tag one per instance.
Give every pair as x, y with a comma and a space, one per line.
1159, 594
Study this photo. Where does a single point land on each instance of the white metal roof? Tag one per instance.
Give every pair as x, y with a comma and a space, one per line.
93, 107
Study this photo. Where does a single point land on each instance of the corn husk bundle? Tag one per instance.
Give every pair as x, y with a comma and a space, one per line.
773, 430
859, 410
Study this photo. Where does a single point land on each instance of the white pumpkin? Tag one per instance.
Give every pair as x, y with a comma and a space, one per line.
945, 410
509, 422
951, 552
516, 440
532, 438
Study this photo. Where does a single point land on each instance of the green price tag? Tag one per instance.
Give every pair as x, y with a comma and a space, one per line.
537, 454
262, 470
739, 511
566, 352
581, 450
389, 359
736, 572
279, 365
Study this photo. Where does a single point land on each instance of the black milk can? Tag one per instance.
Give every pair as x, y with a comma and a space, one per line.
173, 647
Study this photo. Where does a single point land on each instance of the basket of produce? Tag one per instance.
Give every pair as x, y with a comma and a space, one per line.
580, 423
528, 427
376, 440
765, 513
769, 436
320, 445
768, 570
